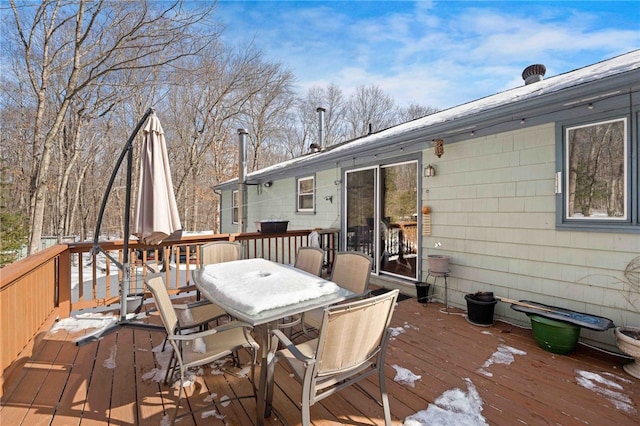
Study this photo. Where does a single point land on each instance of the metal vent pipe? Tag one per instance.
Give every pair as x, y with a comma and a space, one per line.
242, 178
533, 73
320, 111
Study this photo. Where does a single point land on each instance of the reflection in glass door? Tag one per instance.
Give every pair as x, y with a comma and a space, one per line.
360, 221
399, 219
382, 214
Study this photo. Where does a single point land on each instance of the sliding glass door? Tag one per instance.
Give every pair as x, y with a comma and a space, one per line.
382, 216
361, 207
399, 219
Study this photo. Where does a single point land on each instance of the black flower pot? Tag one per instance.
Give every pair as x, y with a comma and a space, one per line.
484, 296
480, 312
422, 292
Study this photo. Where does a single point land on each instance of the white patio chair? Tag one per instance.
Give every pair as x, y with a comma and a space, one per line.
202, 312
196, 349
351, 270
350, 347
220, 251
190, 317
309, 259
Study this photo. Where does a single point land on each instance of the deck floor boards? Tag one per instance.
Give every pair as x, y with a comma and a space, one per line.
64, 384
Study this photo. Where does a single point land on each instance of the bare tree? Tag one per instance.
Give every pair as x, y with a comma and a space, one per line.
83, 72
212, 95
302, 129
413, 112
270, 98
69, 49
368, 110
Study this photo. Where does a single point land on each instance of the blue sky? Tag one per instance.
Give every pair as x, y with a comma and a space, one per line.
434, 53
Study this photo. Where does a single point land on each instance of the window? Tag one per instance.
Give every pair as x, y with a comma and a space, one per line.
234, 206
306, 194
596, 172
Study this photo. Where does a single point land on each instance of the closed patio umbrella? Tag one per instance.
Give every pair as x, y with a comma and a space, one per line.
156, 212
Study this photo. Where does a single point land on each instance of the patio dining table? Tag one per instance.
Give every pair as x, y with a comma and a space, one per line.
262, 293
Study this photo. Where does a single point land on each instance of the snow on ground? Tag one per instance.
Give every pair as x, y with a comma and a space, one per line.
110, 362
411, 326
504, 355
454, 407
609, 388
80, 322
404, 376
396, 331
108, 284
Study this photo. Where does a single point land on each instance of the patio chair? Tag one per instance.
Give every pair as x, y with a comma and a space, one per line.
309, 259
350, 347
203, 311
351, 270
192, 316
201, 348
220, 251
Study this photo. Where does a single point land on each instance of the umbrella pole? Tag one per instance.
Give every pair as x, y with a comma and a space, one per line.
125, 266
127, 149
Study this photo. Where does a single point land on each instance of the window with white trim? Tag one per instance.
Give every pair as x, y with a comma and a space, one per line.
234, 206
596, 172
305, 194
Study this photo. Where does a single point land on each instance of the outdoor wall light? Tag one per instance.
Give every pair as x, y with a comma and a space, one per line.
329, 198
429, 171
268, 184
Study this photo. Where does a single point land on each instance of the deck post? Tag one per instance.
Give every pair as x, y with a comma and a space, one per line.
63, 287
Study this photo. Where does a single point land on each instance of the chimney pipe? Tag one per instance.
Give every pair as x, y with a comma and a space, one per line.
242, 178
320, 112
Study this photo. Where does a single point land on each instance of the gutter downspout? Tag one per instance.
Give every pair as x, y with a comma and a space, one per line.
218, 225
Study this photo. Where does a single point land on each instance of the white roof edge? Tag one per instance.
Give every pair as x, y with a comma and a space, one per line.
617, 65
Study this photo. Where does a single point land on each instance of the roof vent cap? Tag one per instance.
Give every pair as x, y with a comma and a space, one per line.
533, 73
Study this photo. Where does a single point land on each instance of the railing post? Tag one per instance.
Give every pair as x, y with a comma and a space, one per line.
64, 284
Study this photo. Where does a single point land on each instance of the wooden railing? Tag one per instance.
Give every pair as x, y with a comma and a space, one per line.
30, 292
65, 278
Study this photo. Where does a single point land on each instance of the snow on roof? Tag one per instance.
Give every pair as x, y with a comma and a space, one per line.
618, 65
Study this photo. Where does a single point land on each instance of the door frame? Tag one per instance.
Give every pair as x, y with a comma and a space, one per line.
377, 167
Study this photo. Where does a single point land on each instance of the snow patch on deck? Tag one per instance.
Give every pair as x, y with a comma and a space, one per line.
453, 407
504, 355
609, 388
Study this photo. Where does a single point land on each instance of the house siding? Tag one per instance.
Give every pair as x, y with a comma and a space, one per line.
493, 207
274, 203
226, 213
278, 202
493, 210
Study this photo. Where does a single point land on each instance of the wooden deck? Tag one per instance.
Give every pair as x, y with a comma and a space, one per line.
64, 384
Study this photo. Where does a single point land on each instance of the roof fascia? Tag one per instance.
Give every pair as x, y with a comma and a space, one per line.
458, 128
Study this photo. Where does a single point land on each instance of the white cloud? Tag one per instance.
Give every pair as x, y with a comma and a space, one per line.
434, 53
